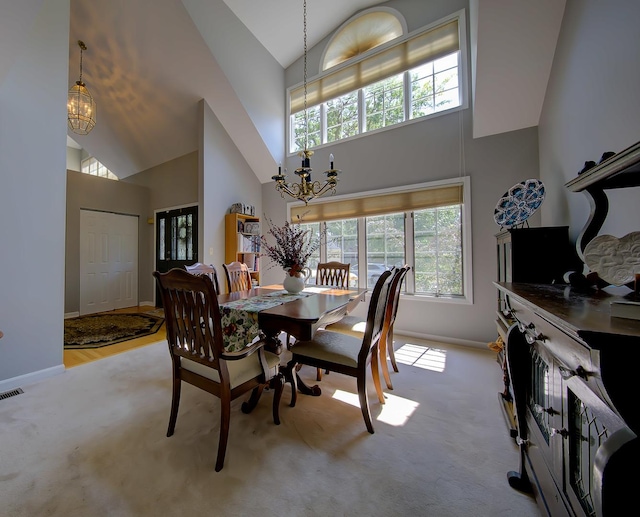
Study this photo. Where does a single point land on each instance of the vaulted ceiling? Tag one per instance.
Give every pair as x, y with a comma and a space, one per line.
148, 65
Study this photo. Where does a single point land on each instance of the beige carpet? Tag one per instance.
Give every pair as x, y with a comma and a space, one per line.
91, 442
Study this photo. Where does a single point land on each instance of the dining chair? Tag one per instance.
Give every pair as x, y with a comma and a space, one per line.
355, 326
346, 354
203, 269
333, 273
198, 357
238, 277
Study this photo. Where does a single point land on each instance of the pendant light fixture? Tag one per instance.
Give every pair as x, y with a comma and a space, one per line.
307, 189
81, 108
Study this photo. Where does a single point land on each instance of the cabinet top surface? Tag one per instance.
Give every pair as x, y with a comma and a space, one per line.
585, 315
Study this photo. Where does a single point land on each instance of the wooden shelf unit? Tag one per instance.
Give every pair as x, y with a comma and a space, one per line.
234, 234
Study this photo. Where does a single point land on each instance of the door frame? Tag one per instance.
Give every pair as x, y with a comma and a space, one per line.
155, 237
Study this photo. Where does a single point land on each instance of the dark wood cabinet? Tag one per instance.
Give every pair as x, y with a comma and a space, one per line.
535, 255
572, 367
570, 370
538, 255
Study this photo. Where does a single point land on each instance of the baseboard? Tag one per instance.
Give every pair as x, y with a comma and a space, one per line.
142, 304
68, 315
29, 378
443, 339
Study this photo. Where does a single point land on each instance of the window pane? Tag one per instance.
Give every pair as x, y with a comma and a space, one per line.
342, 117
434, 86
438, 250
384, 103
385, 244
314, 233
298, 129
446, 62
447, 99
342, 245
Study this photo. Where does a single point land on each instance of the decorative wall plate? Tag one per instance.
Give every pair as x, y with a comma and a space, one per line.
519, 203
616, 261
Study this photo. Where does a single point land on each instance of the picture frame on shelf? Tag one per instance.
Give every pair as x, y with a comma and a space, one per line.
252, 227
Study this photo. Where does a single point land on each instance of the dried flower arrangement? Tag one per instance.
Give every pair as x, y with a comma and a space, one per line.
293, 248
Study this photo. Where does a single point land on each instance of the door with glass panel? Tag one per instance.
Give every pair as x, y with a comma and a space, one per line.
176, 240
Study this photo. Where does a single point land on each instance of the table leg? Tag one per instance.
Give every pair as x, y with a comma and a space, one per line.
273, 343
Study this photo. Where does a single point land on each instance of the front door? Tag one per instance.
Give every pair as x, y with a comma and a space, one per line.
176, 240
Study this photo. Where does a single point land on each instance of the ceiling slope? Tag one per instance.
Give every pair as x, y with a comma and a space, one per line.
513, 44
147, 66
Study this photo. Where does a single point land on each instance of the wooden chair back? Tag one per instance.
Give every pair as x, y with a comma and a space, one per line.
376, 315
394, 297
238, 277
192, 317
333, 273
203, 269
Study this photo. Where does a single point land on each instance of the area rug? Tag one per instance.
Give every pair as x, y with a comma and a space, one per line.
100, 330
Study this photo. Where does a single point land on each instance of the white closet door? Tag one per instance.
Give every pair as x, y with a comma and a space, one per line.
124, 261
108, 261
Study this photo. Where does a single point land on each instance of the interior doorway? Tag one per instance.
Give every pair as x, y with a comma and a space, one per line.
176, 240
108, 261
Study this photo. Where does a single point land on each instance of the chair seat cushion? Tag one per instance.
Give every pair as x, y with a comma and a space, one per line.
330, 346
351, 325
240, 371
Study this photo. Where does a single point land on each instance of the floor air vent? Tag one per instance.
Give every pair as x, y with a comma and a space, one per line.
11, 393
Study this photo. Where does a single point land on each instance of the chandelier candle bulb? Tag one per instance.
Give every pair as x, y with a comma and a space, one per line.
331, 160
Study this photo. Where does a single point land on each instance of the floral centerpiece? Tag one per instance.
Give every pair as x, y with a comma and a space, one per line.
293, 246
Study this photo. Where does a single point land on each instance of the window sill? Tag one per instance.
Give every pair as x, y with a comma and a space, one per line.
457, 300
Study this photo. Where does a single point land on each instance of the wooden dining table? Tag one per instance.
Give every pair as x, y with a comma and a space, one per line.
301, 317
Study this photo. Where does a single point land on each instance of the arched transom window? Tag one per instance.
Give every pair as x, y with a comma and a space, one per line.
368, 30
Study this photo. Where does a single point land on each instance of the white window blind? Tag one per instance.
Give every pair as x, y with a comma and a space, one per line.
378, 204
414, 51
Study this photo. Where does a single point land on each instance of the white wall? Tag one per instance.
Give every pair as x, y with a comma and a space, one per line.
426, 151
32, 199
591, 106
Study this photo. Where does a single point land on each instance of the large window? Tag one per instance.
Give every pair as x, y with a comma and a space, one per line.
426, 226
408, 78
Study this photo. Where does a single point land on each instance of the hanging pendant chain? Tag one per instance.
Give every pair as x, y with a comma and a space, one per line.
80, 64
306, 115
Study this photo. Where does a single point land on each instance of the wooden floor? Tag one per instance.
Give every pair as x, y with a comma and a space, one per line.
86, 355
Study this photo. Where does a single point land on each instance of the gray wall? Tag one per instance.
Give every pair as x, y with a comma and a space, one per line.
170, 184
93, 193
591, 106
32, 196
426, 151
225, 178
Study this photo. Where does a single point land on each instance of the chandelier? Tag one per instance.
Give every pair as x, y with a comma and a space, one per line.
81, 108
307, 189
